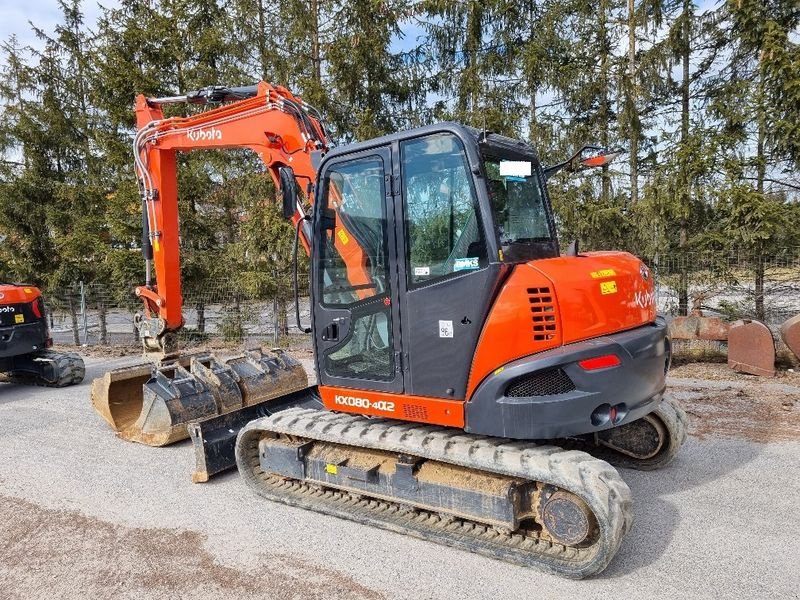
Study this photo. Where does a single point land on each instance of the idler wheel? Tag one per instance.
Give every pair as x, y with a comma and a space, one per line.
567, 518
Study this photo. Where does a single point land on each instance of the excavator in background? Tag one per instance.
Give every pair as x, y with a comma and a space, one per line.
472, 381
25, 342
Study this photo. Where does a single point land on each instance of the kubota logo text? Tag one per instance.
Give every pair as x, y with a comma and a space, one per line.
383, 405
204, 135
7, 309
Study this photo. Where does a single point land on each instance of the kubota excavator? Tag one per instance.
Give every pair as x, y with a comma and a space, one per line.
26, 356
451, 337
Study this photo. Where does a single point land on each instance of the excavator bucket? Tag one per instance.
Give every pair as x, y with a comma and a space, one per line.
153, 404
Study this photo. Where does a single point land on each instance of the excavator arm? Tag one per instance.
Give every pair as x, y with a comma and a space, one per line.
283, 130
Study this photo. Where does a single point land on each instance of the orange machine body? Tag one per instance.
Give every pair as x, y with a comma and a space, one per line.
542, 305
14, 294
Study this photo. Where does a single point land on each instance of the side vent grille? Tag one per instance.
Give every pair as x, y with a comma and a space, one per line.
543, 383
543, 313
415, 412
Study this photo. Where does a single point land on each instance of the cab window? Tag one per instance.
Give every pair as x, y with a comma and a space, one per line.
444, 236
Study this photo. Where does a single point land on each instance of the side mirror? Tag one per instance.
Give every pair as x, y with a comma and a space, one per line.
288, 191
588, 157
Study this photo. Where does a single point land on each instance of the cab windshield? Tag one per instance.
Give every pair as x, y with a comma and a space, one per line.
518, 206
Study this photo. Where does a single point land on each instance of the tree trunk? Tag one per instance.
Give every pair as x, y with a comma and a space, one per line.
683, 288
633, 90
73, 313
282, 320
200, 307
604, 116
759, 288
263, 56
761, 171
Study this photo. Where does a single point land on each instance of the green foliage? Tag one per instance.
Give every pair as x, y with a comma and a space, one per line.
705, 101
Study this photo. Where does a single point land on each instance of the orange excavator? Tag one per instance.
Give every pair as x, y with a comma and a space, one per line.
473, 383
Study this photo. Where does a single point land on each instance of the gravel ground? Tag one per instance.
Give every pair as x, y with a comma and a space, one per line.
85, 515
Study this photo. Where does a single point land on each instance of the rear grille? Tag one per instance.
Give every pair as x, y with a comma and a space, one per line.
543, 313
543, 383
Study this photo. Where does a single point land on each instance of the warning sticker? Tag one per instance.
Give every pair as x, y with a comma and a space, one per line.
603, 273
608, 287
19, 318
343, 237
422, 271
445, 329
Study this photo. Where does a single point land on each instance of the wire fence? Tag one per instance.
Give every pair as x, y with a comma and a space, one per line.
738, 285
733, 286
221, 310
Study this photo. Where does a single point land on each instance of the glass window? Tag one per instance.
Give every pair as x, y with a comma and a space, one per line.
517, 203
354, 257
354, 270
443, 229
368, 352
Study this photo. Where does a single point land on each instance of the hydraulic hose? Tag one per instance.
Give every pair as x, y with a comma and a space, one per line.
294, 273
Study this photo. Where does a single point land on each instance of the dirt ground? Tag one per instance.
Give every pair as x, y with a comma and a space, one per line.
57, 543
725, 404
86, 515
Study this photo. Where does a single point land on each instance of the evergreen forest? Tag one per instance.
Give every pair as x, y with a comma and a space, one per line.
702, 97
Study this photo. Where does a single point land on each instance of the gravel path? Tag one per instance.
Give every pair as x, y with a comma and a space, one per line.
85, 515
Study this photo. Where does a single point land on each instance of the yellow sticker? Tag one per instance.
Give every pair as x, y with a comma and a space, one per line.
603, 273
28, 290
343, 236
19, 318
331, 469
500, 254
608, 287
156, 245
499, 370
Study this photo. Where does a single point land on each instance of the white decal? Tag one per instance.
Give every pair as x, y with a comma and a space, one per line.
466, 264
204, 135
645, 299
356, 402
445, 329
422, 271
515, 168
7, 309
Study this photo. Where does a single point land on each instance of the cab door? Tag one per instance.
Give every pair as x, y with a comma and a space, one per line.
356, 320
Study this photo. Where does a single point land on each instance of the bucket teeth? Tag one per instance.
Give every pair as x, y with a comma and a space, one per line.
221, 381
263, 376
153, 404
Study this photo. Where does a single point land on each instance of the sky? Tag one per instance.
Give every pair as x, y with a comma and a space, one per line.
45, 14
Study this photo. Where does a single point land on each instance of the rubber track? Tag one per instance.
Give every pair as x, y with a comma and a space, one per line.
676, 422
595, 481
69, 366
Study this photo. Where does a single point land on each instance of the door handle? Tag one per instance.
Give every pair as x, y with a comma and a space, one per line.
331, 333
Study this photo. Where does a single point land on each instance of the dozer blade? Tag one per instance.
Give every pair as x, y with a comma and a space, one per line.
214, 439
153, 403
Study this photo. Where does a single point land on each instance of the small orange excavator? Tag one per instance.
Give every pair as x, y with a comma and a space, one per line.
451, 338
25, 343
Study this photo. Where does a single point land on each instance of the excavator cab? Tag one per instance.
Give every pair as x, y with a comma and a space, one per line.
439, 295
